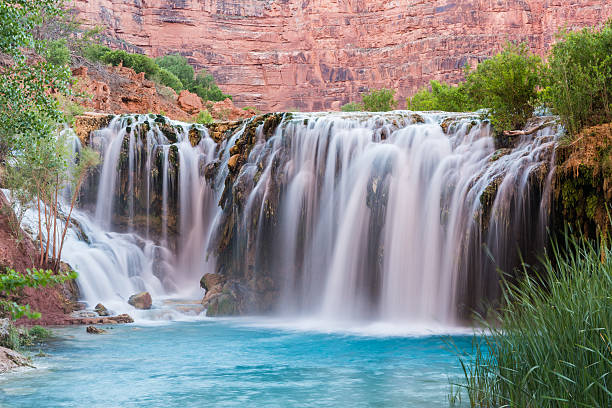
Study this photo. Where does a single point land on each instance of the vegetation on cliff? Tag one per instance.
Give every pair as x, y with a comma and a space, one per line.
551, 344
377, 100
35, 155
574, 84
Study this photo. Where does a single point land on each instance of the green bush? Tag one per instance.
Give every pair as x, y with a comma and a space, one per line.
551, 344
138, 62
379, 100
167, 78
204, 117
507, 84
580, 78
442, 97
95, 52
57, 53
352, 107
204, 85
179, 66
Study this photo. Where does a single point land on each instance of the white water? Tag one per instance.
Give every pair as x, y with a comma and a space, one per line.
378, 217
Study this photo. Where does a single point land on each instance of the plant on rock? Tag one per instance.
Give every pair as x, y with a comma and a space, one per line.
11, 282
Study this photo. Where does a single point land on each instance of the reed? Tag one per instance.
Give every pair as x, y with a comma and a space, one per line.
550, 345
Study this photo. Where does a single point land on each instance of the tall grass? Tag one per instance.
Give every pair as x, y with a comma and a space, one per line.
550, 345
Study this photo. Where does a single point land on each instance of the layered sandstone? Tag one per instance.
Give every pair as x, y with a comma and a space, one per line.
319, 54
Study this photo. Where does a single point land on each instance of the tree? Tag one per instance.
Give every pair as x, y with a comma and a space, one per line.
442, 97
579, 86
379, 100
507, 84
179, 66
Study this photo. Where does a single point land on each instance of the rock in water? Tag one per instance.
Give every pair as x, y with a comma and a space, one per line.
94, 330
141, 300
101, 310
10, 359
210, 280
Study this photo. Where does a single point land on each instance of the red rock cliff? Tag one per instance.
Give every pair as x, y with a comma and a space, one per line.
319, 54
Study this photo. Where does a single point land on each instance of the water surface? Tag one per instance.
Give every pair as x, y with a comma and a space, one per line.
236, 363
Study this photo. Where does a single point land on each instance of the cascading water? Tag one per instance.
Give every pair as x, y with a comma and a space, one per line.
396, 216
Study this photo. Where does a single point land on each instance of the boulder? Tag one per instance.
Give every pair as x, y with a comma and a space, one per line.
94, 330
141, 300
10, 359
210, 280
190, 102
101, 310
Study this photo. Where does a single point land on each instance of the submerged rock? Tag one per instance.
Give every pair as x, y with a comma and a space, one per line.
101, 310
10, 359
94, 330
141, 300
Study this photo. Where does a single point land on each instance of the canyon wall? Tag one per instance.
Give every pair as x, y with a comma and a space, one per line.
320, 54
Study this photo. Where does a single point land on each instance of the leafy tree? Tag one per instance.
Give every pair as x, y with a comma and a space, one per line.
379, 100
57, 53
18, 18
167, 78
11, 282
442, 97
206, 88
579, 87
179, 66
507, 84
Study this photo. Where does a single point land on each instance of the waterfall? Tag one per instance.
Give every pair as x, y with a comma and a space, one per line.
398, 216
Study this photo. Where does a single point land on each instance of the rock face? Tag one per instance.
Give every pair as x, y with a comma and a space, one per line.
318, 54
141, 300
190, 102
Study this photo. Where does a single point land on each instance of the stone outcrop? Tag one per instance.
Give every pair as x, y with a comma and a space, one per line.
319, 54
10, 359
121, 90
190, 102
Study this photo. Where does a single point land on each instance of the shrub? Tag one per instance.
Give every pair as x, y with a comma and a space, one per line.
142, 63
138, 62
179, 66
204, 117
204, 85
551, 345
507, 85
167, 78
95, 52
379, 100
57, 53
352, 107
580, 78
442, 97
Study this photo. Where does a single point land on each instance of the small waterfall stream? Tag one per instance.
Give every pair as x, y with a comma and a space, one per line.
396, 216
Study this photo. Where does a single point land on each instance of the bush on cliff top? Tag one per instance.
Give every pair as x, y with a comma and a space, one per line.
580, 78
377, 100
442, 97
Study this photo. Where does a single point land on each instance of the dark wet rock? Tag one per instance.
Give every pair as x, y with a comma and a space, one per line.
141, 300
94, 330
10, 360
101, 310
